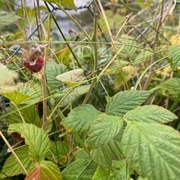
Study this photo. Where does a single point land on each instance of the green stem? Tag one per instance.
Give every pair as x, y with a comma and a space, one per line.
95, 63
111, 61
19, 112
138, 81
174, 104
57, 106
84, 170
79, 140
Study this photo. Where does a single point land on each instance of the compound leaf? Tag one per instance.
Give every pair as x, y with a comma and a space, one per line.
150, 113
80, 118
152, 149
124, 101
172, 85
104, 129
35, 138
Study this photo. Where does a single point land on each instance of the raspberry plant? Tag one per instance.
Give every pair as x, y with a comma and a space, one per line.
104, 106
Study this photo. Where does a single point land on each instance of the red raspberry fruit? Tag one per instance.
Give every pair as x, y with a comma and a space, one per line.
36, 67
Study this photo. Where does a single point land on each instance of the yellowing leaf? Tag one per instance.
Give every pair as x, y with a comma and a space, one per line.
172, 86
165, 71
175, 40
16, 97
72, 77
7, 76
101, 173
45, 170
124, 76
116, 67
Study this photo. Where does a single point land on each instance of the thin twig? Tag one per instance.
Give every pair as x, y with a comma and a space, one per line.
95, 63
146, 70
57, 106
13, 152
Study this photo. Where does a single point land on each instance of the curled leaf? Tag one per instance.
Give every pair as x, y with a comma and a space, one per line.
72, 77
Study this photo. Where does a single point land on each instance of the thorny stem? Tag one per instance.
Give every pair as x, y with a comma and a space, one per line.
153, 45
43, 75
44, 86
44, 99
